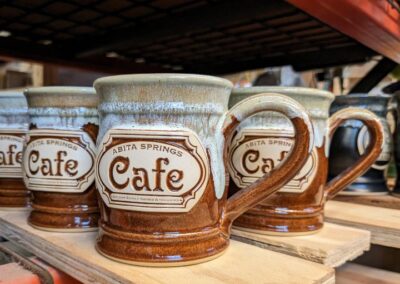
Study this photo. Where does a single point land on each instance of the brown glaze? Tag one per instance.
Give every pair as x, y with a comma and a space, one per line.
13, 193
66, 211
286, 212
153, 238
289, 212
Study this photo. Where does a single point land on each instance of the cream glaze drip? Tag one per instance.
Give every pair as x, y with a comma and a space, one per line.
63, 118
14, 118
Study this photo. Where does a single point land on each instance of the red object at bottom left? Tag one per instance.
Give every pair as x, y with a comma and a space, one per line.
13, 273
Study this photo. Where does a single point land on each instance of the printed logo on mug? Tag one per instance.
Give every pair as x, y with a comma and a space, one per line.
152, 170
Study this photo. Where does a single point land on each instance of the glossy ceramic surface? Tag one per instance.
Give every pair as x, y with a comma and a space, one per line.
352, 138
161, 166
267, 138
59, 157
13, 126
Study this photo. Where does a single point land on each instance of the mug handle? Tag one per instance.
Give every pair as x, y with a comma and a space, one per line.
374, 149
250, 196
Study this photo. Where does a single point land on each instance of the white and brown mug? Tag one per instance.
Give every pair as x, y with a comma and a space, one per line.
262, 142
13, 127
59, 156
160, 169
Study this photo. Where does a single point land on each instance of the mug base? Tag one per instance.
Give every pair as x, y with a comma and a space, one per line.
63, 230
278, 234
261, 221
160, 264
13, 193
163, 250
78, 222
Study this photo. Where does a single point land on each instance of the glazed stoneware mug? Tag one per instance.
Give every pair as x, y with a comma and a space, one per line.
160, 167
59, 156
352, 138
13, 127
263, 142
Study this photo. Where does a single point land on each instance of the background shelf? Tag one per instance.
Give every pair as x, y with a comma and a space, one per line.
332, 246
384, 224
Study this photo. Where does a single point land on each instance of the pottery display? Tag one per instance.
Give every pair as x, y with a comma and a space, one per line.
160, 169
59, 156
13, 127
351, 140
264, 141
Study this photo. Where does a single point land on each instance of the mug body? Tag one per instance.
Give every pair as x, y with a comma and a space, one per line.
13, 127
160, 170
396, 140
351, 140
260, 145
59, 156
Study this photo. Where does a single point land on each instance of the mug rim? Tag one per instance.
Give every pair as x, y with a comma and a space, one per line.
59, 90
363, 95
162, 77
284, 90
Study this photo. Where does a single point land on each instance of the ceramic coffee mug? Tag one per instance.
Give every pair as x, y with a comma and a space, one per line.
13, 127
160, 168
262, 143
59, 156
352, 138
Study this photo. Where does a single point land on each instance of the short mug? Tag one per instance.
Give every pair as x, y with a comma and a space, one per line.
13, 127
263, 142
160, 169
59, 156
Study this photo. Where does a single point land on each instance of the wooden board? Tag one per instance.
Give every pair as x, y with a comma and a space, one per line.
74, 253
332, 246
352, 273
384, 224
385, 201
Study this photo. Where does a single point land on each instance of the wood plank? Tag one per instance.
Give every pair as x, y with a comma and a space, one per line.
383, 223
332, 246
352, 273
385, 201
74, 253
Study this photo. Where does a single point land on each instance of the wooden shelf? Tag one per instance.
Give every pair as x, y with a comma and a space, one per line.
352, 273
74, 253
332, 246
385, 201
383, 223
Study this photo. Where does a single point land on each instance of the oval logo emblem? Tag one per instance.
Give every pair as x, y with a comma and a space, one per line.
255, 152
154, 171
58, 161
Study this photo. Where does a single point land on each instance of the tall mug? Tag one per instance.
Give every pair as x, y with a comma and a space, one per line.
160, 169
